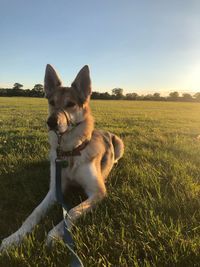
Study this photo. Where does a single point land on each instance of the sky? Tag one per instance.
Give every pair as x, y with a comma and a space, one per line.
141, 46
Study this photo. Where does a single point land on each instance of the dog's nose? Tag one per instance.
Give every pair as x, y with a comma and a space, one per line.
52, 122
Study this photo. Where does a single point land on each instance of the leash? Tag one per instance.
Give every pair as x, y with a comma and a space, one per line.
75, 260
60, 163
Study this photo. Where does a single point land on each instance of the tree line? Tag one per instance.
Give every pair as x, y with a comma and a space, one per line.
17, 90
117, 94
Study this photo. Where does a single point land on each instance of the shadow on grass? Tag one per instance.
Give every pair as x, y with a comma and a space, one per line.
20, 192
23, 190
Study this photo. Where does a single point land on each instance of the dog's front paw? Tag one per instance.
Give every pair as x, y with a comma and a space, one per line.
51, 241
10, 241
53, 236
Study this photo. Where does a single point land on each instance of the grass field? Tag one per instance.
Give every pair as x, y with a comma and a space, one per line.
151, 216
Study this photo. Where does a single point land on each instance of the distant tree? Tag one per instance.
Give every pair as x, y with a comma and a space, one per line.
118, 93
197, 96
38, 90
186, 97
17, 86
97, 95
131, 96
4, 92
174, 96
156, 96
148, 97
38, 87
27, 92
105, 95
17, 90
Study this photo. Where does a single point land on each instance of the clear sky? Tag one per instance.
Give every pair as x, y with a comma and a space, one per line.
139, 45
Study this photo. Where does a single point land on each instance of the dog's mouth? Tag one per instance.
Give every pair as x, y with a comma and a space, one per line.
60, 129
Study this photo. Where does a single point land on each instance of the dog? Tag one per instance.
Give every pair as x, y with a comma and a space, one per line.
90, 153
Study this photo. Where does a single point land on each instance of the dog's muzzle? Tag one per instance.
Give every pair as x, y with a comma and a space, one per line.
52, 122
59, 121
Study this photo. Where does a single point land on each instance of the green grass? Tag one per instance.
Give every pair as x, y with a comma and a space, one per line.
151, 216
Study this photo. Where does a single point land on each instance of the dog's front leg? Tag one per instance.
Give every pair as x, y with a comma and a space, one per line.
82, 208
94, 186
37, 214
55, 234
85, 206
30, 222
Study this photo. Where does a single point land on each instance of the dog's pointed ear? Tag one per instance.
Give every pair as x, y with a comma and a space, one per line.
82, 84
51, 80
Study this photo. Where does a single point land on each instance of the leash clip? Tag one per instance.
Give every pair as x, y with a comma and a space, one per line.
63, 163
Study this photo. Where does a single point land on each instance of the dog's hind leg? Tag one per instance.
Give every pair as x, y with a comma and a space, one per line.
34, 218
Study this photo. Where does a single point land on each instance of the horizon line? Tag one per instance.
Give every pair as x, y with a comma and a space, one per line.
125, 91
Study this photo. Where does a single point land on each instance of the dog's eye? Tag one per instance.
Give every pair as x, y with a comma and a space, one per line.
52, 102
70, 104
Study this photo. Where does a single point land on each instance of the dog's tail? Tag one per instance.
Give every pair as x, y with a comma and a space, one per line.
118, 147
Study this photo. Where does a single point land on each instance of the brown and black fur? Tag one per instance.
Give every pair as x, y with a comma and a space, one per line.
69, 106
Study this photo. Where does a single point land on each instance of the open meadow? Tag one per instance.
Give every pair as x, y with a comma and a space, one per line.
151, 216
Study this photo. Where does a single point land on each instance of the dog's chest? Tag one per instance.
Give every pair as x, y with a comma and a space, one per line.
71, 166
78, 168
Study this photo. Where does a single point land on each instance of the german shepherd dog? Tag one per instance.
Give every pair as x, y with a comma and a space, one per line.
90, 153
